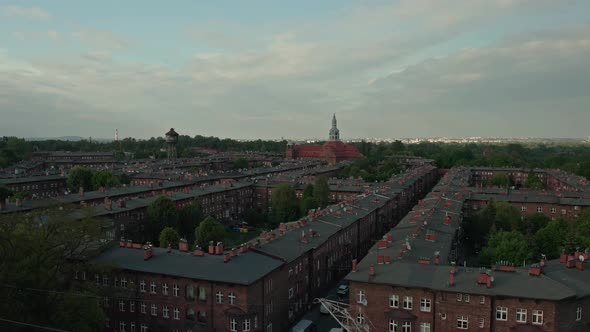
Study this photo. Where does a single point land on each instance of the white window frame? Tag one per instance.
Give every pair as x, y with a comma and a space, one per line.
123, 282
394, 301
143, 308
132, 326
482, 323
459, 297
219, 297
424, 327
164, 289
579, 313
406, 327
291, 293
153, 287
143, 328
121, 306
463, 322
408, 303
231, 298
393, 325
122, 326
154, 310
246, 325
166, 312
521, 315
175, 289
176, 314
142, 286
466, 298
360, 296
482, 300
539, 209
233, 325
425, 305
538, 317
502, 313
131, 306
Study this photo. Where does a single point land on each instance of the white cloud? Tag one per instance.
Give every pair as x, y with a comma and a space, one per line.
32, 13
100, 39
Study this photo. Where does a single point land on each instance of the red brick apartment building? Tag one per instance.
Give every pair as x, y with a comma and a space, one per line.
263, 286
408, 281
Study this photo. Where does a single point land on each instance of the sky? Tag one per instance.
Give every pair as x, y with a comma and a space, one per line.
280, 69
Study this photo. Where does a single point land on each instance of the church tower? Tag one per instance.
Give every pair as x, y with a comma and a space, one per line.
334, 132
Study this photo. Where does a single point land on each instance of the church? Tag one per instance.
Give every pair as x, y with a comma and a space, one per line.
333, 151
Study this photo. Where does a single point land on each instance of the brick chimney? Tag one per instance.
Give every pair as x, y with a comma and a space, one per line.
129, 244
198, 252
389, 237
183, 245
436, 258
387, 259
147, 252
382, 244
380, 259
219, 248
122, 242
226, 258
571, 262
211, 248
243, 249
535, 270
430, 236
354, 265
580, 262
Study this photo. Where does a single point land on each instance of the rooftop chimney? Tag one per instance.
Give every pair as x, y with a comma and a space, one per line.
147, 252
452, 274
387, 259
183, 245
122, 242
169, 248
199, 252
226, 258
219, 248
436, 258
389, 237
129, 243
372, 270
354, 265
380, 259
382, 244
81, 192
211, 248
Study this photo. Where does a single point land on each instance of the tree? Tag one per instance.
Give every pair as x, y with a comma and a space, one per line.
124, 178
505, 246
533, 182
4, 193
209, 230
308, 202
240, 163
169, 236
507, 217
79, 177
284, 204
188, 219
550, 239
104, 179
161, 213
321, 191
39, 254
533, 223
499, 180
255, 218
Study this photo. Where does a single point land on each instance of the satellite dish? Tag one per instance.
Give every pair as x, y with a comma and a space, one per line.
581, 258
364, 302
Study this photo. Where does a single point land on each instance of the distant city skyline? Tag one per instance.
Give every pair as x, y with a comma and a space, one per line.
268, 69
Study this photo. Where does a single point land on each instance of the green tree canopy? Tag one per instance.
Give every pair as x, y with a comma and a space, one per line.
550, 239
499, 180
255, 218
284, 204
534, 182
4, 193
507, 217
209, 230
505, 246
240, 163
188, 219
321, 191
104, 179
161, 213
79, 177
39, 254
533, 223
169, 236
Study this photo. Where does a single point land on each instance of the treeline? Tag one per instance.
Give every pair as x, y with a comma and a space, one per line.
14, 149
509, 237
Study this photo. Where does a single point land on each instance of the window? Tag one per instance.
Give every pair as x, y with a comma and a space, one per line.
360, 318
523, 208
231, 297
142, 286
106, 301
443, 316
166, 312
482, 300
143, 307
563, 211
190, 292
219, 297
407, 327
176, 314
246, 325
538, 317
122, 326
143, 328
105, 280
255, 322
501, 313
424, 327
394, 301
132, 326
425, 305
175, 290
123, 282
553, 210
482, 323
122, 306
408, 302
97, 278
154, 310
131, 306
116, 282
202, 294
233, 325
153, 287
165, 289
539, 209
360, 298
466, 298
579, 313
291, 292
392, 325
462, 322
269, 327
521, 315
459, 297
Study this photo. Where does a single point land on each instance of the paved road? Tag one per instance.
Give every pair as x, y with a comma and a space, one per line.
324, 322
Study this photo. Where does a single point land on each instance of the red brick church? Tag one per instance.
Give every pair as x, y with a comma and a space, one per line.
333, 151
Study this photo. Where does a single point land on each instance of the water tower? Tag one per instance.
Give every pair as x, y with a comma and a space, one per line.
171, 140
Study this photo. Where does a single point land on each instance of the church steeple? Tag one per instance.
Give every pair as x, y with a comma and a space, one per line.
334, 132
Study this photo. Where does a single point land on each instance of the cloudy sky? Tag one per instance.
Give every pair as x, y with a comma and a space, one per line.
271, 69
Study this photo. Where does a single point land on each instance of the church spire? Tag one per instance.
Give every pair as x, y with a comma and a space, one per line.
334, 132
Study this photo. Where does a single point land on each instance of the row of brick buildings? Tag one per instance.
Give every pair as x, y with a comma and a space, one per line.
409, 280
261, 286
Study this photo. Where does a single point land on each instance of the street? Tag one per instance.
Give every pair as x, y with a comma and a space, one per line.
325, 322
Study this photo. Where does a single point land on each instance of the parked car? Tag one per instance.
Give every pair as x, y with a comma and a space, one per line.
342, 290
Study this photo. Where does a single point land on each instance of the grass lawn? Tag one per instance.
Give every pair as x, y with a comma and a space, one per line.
234, 239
